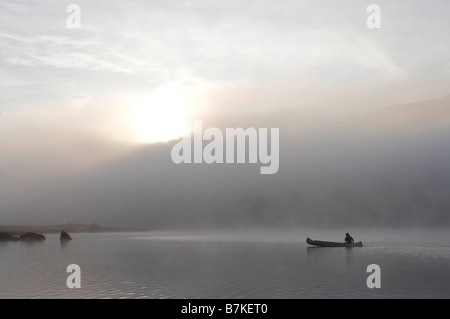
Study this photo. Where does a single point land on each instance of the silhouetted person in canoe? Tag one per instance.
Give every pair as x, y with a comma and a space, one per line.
349, 239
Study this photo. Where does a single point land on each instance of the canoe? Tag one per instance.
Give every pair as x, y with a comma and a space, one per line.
331, 244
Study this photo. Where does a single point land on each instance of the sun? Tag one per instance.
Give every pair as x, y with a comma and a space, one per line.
160, 116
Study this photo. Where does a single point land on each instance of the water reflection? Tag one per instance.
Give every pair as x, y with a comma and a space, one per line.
315, 254
349, 254
64, 244
32, 243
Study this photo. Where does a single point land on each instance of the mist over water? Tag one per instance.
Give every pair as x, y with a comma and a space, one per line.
386, 169
229, 264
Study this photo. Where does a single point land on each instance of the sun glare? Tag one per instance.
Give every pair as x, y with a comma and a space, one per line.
160, 117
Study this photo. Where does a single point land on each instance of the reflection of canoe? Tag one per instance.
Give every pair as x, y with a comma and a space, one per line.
331, 244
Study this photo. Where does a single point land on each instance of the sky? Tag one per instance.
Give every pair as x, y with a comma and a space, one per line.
89, 114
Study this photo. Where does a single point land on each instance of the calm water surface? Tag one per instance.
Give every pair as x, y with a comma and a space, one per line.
259, 264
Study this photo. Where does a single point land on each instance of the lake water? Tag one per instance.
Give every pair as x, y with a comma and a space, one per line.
247, 264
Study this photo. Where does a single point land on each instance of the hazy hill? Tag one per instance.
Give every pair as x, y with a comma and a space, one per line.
390, 167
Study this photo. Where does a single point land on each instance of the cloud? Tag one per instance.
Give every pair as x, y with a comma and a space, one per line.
217, 43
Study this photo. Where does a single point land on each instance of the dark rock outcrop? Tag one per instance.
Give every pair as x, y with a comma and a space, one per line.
64, 235
31, 237
4, 236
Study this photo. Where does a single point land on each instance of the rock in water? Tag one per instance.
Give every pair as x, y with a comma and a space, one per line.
4, 236
31, 236
64, 235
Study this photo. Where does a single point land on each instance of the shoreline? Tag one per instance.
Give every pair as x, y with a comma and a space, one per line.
69, 227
